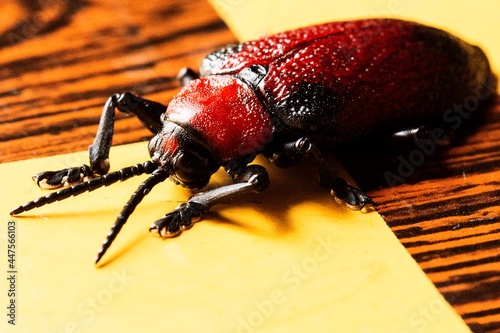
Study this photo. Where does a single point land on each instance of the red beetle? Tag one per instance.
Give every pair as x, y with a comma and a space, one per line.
283, 96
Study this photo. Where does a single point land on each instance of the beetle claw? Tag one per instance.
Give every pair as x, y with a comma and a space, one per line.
178, 220
62, 178
354, 199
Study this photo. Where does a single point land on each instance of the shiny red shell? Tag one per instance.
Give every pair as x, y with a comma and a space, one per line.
340, 80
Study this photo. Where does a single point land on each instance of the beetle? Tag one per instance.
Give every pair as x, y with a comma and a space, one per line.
286, 96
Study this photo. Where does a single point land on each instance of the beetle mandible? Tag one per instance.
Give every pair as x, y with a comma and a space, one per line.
283, 96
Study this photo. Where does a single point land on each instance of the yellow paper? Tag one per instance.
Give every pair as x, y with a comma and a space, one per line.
288, 260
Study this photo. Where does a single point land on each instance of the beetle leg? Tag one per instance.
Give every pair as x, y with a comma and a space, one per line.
353, 197
148, 112
423, 135
253, 178
187, 75
285, 156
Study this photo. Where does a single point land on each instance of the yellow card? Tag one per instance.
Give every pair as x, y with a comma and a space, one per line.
288, 260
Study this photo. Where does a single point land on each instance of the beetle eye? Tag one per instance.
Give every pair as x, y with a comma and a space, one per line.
192, 170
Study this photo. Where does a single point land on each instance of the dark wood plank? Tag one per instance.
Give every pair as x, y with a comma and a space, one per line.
61, 60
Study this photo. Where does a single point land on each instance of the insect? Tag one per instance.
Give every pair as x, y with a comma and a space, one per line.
286, 96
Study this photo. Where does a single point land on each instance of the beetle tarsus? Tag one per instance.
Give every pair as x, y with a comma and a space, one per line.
344, 193
62, 178
178, 220
253, 178
352, 197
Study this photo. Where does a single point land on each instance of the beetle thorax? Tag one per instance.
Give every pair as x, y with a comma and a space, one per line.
225, 114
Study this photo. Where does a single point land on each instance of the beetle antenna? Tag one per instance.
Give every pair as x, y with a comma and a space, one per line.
155, 178
90, 185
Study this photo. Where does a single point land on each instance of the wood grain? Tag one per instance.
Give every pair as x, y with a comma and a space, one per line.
58, 70
61, 60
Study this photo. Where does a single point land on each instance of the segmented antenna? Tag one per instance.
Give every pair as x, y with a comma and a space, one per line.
104, 180
156, 177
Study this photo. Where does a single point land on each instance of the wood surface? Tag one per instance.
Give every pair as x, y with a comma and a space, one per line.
59, 61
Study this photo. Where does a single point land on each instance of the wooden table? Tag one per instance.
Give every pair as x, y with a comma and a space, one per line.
59, 62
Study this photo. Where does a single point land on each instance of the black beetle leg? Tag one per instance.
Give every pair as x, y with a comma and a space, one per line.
424, 135
253, 178
353, 197
148, 112
187, 75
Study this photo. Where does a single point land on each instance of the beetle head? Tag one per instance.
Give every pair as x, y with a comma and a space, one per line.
187, 160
